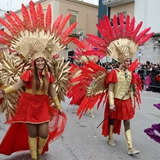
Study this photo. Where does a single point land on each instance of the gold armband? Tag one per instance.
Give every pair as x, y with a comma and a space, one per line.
111, 98
57, 103
9, 90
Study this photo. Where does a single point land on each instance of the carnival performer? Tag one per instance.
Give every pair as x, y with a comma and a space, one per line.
35, 122
33, 107
76, 72
118, 89
121, 100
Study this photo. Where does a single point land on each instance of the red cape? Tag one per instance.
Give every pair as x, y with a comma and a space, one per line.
16, 138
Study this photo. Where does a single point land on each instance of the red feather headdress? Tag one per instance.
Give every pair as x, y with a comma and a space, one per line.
119, 41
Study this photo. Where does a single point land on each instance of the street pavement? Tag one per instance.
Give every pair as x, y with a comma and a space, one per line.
82, 140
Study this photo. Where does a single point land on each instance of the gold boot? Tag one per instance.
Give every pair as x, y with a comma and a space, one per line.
33, 147
41, 144
110, 137
131, 150
91, 113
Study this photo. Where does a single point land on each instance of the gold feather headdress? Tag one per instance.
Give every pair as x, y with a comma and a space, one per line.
35, 35
30, 38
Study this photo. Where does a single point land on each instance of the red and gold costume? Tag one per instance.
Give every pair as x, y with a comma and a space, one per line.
29, 110
124, 110
29, 39
118, 89
30, 104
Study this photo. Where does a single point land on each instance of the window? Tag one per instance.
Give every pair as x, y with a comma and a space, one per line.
124, 15
73, 19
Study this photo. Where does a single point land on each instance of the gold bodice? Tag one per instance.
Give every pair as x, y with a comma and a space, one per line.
123, 84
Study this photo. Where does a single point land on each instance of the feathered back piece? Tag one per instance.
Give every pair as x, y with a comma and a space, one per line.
80, 52
118, 40
35, 36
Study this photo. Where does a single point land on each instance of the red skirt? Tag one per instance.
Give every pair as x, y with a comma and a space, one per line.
16, 138
124, 111
32, 109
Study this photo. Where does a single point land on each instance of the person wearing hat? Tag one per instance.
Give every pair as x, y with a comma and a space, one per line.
35, 122
118, 88
121, 99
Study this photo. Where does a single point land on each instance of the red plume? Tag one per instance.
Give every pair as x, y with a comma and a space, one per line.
33, 15
18, 20
95, 45
103, 34
40, 15
135, 32
4, 23
13, 23
62, 25
4, 41
127, 25
79, 44
146, 38
48, 18
115, 26
110, 30
67, 41
134, 65
97, 39
121, 27
26, 18
142, 34
131, 27
5, 35
68, 31
56, 23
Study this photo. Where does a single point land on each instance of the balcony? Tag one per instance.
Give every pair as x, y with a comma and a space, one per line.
76, 32
115, 3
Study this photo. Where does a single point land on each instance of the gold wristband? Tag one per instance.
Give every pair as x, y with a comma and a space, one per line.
57, 103
111, 98
9, 90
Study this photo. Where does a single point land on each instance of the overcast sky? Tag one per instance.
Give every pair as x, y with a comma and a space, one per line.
16, 4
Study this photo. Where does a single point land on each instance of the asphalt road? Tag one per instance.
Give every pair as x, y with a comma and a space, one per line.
82, 140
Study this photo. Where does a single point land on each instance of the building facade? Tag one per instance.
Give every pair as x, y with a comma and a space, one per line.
143, 10
85, 14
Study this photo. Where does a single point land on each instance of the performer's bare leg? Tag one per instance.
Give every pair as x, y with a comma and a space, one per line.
34, 130
43, 137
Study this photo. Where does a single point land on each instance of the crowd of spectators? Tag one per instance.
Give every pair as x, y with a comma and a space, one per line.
148, 72
150, 76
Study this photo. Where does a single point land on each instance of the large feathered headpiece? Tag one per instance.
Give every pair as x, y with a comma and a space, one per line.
32, 37
35, 36
118, 40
